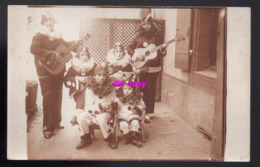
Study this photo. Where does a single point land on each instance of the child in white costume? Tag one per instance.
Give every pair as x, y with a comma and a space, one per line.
131, 108
82, 66
99, 108
119, 62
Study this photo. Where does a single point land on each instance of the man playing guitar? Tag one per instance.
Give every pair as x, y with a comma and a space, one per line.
146, 35
44, 47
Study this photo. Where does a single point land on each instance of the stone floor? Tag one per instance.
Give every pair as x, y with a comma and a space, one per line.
168, 138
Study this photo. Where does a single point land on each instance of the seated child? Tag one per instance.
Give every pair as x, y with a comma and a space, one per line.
119, 62
131, 109
81, 66
99, 107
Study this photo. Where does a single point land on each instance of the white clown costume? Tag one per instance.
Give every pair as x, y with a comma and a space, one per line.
131, 108
99, 108
93, 113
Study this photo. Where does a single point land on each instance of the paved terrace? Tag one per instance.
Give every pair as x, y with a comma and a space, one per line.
168, 138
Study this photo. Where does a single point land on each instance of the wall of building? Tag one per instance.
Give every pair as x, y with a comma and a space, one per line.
186, 95
193, 105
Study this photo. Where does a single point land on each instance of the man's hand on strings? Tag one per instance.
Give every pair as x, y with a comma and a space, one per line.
163, 49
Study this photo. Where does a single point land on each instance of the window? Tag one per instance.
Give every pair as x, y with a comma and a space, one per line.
198, 53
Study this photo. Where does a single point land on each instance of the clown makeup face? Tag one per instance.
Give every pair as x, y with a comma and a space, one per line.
128, 90
83, 56
119, 53
101, 78
147, 26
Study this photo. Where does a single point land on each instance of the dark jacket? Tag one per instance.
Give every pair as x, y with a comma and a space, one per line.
43, 47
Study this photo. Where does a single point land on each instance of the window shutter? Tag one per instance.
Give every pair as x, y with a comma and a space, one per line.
203, 38
182, 56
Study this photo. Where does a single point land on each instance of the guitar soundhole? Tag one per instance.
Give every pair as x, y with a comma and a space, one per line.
147, 53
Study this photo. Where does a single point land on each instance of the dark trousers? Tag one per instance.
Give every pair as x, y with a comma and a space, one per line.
149, 90
51, 89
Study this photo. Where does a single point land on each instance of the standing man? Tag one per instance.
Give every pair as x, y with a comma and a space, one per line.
43, 47
148, 34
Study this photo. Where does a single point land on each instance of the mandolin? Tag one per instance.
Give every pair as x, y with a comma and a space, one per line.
150, 53
56, 66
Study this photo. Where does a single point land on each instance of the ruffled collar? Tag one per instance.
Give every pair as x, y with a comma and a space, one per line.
101, 90
132, 99
113, 61
82, 67
51, 35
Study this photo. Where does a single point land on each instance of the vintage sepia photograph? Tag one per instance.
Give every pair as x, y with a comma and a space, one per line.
122, 83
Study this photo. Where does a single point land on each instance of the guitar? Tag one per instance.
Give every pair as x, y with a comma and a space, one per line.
55, 66
150, 53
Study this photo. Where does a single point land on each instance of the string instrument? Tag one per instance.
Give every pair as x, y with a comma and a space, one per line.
79, 86
56, 65
150, 53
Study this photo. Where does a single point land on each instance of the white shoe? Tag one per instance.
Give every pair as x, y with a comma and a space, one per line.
147, 119
147, 116
150, 115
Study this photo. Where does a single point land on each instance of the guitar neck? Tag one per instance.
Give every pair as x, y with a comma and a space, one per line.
167, 43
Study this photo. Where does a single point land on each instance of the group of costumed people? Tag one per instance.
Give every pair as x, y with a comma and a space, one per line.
97, 100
